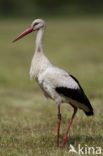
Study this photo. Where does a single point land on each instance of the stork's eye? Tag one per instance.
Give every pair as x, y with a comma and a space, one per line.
35, 24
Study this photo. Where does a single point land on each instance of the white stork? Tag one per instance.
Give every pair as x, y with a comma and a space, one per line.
56, 83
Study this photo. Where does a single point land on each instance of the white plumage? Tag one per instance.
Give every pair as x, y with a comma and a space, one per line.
56, 83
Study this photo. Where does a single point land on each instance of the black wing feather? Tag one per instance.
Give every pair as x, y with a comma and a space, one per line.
76, 94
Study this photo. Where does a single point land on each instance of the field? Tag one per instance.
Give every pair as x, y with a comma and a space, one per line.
28, 121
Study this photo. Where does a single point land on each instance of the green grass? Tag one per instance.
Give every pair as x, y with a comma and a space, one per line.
28, 122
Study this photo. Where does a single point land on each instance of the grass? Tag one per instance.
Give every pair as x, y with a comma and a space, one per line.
28, 122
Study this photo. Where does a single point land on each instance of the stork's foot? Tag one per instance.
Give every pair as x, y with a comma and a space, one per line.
65, 139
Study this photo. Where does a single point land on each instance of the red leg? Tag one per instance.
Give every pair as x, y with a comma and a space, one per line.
58, 129
65, 136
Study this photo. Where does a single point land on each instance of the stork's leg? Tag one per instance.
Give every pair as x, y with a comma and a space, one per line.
58, 129
66, 133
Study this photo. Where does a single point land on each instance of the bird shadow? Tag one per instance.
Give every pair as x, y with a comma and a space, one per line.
85, 139
78, 139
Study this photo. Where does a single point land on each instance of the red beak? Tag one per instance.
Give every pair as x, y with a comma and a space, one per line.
27, 31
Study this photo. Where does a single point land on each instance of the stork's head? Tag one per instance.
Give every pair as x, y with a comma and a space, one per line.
36, 25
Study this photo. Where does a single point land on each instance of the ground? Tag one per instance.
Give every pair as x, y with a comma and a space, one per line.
28, 121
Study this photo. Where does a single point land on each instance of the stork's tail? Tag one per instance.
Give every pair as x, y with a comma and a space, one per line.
90, 108
89, 113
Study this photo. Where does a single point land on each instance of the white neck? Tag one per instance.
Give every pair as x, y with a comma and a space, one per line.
39, 62
39, 39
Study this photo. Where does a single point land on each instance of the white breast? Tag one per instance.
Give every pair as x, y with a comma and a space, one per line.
39, 65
